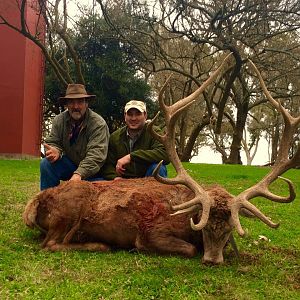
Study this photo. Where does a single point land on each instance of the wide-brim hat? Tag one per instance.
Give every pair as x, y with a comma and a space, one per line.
75, 91
139, 105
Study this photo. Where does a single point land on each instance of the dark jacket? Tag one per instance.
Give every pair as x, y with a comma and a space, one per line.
90, 149
146, 151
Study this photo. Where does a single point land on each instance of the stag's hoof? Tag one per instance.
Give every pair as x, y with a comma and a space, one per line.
53, 246
97, 247
192, 252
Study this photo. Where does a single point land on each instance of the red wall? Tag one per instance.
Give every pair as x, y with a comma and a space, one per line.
21, 86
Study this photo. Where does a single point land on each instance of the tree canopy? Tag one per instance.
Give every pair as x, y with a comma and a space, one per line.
121, 48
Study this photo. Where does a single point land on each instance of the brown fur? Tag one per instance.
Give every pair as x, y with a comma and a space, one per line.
128, 214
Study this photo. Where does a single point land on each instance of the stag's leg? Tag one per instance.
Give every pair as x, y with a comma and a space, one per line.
55, 234
53, 242
100, 247
166, 244
60, 232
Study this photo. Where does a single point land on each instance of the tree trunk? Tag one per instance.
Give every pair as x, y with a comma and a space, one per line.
235, 155
187, 151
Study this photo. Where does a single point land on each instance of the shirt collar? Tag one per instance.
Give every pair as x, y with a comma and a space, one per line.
134, 137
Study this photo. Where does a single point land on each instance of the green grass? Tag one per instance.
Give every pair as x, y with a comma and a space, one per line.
265, 270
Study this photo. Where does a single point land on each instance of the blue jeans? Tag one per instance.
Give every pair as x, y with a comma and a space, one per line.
162, 170
53, 173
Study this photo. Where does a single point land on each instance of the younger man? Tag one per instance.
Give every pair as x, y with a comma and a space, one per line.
133, 152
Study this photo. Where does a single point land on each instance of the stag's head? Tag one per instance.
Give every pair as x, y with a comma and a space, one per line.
218, 210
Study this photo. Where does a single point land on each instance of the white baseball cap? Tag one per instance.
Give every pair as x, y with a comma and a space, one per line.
139, 105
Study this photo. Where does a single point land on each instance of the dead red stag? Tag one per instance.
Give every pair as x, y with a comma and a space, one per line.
131, 213
174, 216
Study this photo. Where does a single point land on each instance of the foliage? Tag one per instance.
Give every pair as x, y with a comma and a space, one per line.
182, 36
108, 69
78, 49
266, 269
117, 50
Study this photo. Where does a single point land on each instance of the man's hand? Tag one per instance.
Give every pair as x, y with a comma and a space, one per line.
52, 154
121, 164
75, 177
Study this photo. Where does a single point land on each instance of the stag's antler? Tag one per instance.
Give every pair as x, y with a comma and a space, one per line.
171, 114
281, 165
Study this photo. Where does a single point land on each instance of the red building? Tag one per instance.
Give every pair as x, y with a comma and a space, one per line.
21, 85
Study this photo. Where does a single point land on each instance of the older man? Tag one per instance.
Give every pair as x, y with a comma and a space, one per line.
77, 145
133, 152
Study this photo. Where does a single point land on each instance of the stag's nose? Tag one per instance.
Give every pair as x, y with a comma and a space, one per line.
213, 259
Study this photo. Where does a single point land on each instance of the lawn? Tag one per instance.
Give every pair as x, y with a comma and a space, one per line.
268, 267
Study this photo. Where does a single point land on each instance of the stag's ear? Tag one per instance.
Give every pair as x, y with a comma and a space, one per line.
30, 212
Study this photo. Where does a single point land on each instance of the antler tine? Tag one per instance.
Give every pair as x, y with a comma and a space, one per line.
192, 204
281, 165
171, 114
260, 189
